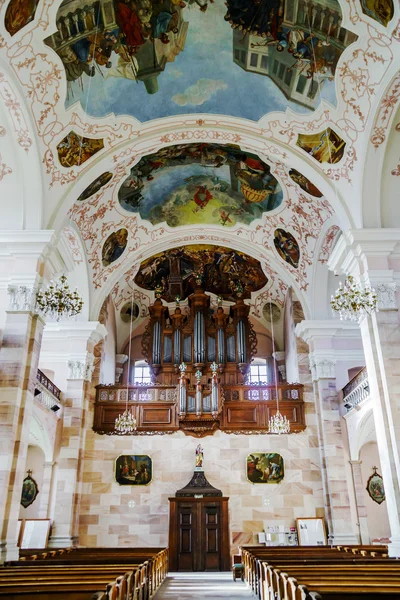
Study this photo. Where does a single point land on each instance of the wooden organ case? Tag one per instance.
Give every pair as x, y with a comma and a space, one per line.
199, 358
205, 348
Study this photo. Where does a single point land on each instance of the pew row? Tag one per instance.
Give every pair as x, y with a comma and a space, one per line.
80, 574
310, 573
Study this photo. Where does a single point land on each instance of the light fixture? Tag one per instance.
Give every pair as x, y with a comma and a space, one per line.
278, 423
58, 301
352, 302
126, 423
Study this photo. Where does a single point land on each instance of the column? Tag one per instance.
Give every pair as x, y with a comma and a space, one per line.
44, 496
371, 257
23, 254
360, 501
78, 342
120, 360
336, 492
322, 337
19, 357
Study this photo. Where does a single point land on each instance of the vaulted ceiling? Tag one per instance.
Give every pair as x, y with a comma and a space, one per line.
136, 126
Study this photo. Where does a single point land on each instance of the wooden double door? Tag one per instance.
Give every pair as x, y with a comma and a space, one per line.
199, 534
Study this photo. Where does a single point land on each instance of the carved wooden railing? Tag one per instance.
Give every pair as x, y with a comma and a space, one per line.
356, 390
47, 394
244, 409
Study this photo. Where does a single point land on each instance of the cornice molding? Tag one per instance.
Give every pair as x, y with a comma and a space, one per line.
74, 330
309, 330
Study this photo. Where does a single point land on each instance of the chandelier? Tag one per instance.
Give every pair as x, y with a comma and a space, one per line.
126, 423
58, 301
352, 302
278, 424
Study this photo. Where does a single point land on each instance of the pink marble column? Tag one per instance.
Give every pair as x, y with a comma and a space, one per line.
332, 453
45, 491
19, 356
360, 501
64, 532
79, 342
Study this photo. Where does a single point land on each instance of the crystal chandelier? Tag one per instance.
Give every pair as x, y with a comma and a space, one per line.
58, 301
277, 424
352, 302
126, 423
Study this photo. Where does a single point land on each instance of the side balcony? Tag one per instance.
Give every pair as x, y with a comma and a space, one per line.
356, 391
47, 394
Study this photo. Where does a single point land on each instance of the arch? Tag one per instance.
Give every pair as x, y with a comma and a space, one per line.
195, 235
20, 151
38, 436
377, 138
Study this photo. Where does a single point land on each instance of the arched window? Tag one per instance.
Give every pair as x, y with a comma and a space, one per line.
141, 372
258, 371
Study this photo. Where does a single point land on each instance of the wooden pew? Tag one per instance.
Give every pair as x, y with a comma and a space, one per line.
306, 573
124, 574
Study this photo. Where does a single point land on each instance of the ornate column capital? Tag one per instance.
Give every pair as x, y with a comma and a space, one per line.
386, 296
279, 356
121, 359
81, 368
322, 366
21, 298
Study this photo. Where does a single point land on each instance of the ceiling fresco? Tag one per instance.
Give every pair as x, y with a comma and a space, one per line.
154, 58
95, 186
221, 271
200, 183
380, 10
74, 150
325, 146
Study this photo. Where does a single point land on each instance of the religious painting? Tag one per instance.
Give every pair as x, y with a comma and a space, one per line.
287, 247
192, 184
375, 487
305, 183
379, 10
129, 312
133, 469
325, 146
74, 149
151, 59
264, 467
18, 14
114, 246
271, 312
219, 269
95, 186
29, 490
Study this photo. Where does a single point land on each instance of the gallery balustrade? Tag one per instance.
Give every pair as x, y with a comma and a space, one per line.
356, 390
47, 394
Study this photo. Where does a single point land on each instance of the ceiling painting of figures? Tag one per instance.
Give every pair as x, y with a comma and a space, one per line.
200, 183
221, 271
18, 14
155, 58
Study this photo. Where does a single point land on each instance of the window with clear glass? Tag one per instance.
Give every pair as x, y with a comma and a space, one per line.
141, 372
258, 372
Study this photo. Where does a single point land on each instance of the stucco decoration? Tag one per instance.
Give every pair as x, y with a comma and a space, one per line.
328, 243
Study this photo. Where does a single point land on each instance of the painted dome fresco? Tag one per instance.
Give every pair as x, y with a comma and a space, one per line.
155, 58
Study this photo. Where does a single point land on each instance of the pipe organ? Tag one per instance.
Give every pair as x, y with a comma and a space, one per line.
198, 338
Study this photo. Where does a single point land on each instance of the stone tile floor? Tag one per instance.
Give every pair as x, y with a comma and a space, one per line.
188, 586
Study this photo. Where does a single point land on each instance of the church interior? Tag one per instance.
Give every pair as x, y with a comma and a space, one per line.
199, 299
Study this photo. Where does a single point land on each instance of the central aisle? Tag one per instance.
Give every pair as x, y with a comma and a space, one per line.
188, 586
